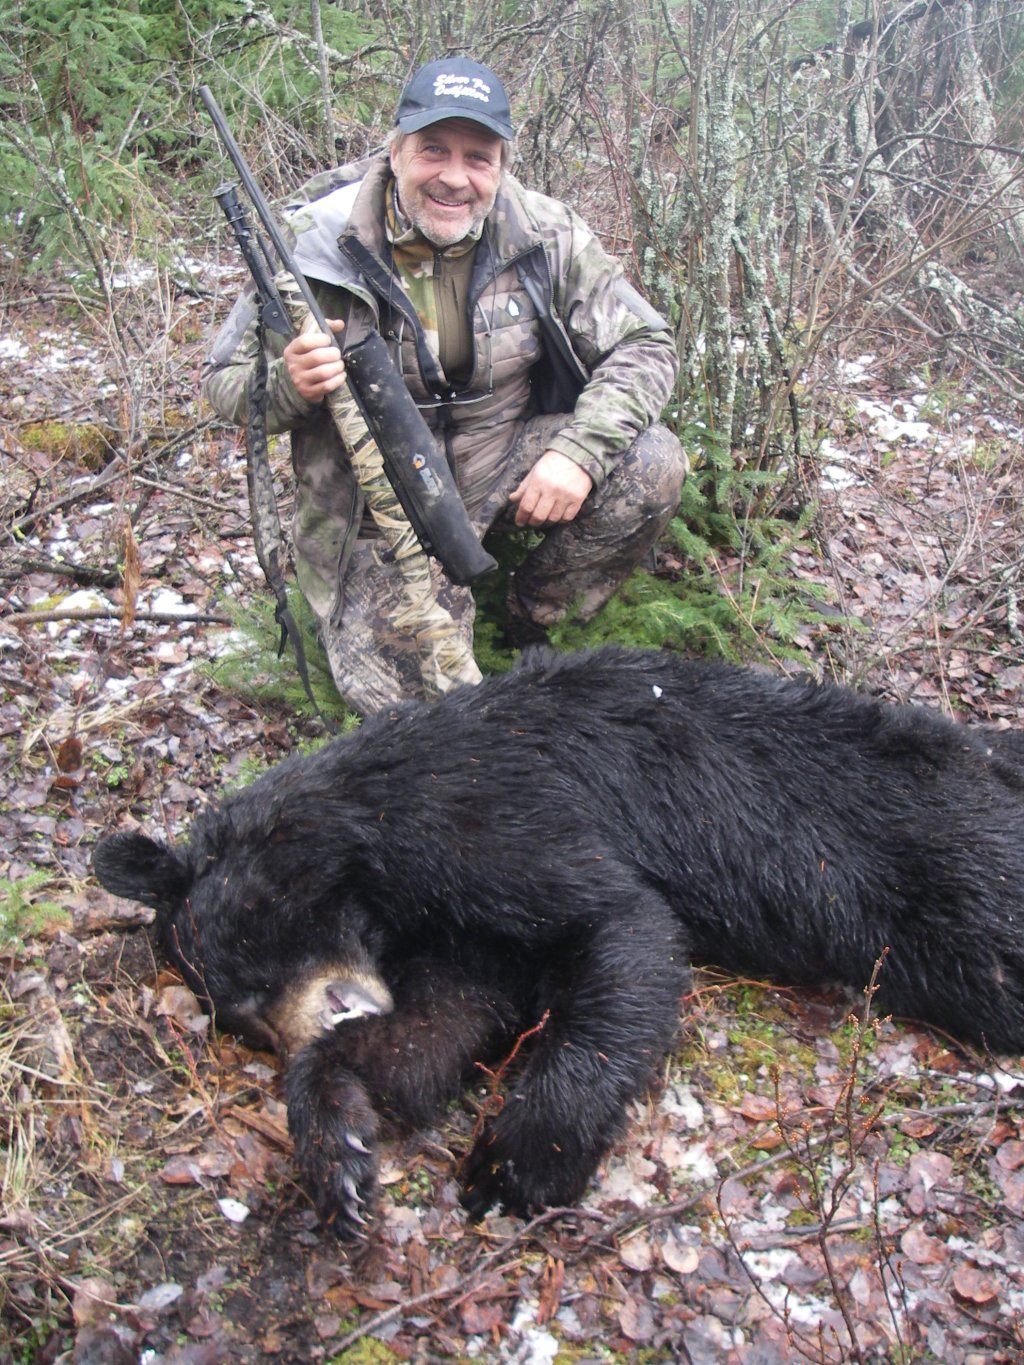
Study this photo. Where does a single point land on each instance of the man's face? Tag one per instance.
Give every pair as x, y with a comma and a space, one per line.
447, 177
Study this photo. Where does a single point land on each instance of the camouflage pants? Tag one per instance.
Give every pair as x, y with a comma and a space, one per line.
577, 566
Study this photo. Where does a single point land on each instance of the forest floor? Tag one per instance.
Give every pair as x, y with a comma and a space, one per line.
804, 1184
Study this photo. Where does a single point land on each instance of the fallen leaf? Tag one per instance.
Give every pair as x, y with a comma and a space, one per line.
1012, 1185
69, 754
479, 1318
921, 1248
180, 1004
215, 1160
160, 1297
974, 1285
917, 1126
636, 1319
758, 1108
927, 1170
93, 1299
684, 1260
233, 1210
132, 573
637, 1252
1011, 1155
766, 1142
550, 1297
327, 1325
181, 1170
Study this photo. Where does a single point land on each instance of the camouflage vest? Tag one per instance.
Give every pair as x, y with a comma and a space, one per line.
519, 348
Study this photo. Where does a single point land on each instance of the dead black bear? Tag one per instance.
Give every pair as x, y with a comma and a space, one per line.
561, 841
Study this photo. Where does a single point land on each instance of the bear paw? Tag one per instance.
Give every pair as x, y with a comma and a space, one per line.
335, 1131
515, 1177
342, 1176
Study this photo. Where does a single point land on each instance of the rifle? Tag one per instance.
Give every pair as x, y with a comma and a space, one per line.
416, 470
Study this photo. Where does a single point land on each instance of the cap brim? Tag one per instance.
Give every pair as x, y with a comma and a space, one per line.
412, 123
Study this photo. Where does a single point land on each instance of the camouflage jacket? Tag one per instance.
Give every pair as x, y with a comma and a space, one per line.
556, 327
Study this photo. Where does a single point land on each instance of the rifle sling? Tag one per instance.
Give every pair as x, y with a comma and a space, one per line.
266, 522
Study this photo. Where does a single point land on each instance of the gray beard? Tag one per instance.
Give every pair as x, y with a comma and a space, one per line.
446, 239
441, 239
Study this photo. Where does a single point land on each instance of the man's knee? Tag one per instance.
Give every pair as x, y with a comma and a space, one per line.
656, 466
644, 487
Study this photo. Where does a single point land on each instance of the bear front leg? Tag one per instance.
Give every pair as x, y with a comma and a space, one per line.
610, 1025
409, 1062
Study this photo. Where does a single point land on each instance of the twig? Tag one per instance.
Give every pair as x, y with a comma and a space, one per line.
495, 1101
266, 1127
178, 492
88, 575
35, 618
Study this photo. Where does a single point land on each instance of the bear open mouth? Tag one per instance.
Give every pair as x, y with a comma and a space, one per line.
346, 1000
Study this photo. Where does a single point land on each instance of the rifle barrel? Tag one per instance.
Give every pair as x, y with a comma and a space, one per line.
259, 203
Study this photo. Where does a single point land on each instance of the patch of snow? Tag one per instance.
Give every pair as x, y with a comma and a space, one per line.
695, 1160
535, 1346
570, 1320
854, 371
169, 680
233, 1210
836, 478
771, 1216
83, 599
134, 274
227, 643
628, 1178
171, 602
11, 349
899, 1059
1005, 428
771, 1264
212, 270
57, 358
888, 427
888, 1214
835, 473
167, 650
120, 687
679, 1101
768, 1266
1000, 1079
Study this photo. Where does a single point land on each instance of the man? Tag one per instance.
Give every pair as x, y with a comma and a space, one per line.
539, 369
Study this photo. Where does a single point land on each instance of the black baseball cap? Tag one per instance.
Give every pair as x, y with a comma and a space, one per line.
455, 87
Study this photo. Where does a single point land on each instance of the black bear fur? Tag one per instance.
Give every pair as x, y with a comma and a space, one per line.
561, 842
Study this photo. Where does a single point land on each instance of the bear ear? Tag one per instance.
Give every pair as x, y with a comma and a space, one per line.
137, 868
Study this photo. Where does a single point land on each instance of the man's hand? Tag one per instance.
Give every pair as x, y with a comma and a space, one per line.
314, 363
554, 490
